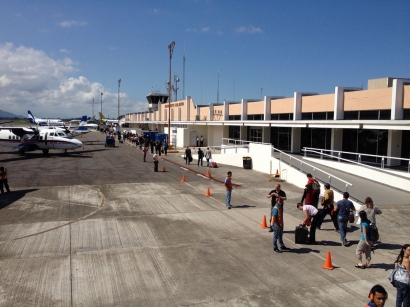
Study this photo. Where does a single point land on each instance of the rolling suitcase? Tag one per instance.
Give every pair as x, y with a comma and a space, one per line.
301, 235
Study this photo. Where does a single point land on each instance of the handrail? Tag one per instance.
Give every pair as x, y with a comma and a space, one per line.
351, 161
359, 158
330, 176
242, 142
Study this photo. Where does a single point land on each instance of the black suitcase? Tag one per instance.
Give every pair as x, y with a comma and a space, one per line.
301, 235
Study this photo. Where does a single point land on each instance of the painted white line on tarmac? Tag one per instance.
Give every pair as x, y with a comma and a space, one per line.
185, 169
200, 175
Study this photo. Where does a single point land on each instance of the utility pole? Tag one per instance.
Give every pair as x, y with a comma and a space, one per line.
101, 103
93, 108
183, 78
170, 50
119, 83
217, 91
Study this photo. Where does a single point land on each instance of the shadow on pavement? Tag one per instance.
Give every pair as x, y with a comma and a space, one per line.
9, 198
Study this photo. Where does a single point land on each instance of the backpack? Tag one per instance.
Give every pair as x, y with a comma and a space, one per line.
316, 186
374, 232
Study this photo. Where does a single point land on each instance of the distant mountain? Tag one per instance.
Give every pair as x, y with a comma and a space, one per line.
4, 114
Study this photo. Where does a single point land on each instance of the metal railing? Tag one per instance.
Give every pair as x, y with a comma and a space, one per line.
358, 161
240, 142
302, 166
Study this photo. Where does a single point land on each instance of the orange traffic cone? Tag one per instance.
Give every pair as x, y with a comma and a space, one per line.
183, 178
164, 169
328, 263
277, 173
208, 174
263, 224
208, 192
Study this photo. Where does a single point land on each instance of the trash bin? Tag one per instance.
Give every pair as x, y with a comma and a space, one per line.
247, 162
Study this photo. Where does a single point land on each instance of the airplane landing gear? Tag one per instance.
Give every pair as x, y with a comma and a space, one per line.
64, 152
45, 151
21, 152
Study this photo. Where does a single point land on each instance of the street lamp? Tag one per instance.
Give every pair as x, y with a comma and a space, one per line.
119, 83
101, 104
170, 49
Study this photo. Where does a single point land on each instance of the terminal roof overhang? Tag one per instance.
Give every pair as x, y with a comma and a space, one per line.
343, 124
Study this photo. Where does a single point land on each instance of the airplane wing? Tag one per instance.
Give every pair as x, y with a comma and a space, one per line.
19, 131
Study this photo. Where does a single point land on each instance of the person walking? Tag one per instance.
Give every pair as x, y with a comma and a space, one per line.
155, 158
311, 216
228, 187
200, 156
276, 193
188, 155
328, 207
309, 196
201, 141
197, 141
402, 277
208, 155
277, 226
145, 150
343, 208
370, 210
165, 147
3, 180
365, 243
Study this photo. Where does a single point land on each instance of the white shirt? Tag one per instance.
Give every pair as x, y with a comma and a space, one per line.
311, 211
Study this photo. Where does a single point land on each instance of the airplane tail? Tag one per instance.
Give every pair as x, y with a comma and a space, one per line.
31, 117
101, 115
83, 120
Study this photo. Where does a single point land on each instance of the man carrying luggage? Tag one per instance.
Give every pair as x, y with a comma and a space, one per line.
310, 212
277, 192
277, 226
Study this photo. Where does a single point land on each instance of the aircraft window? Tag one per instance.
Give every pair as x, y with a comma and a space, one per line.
61, 134
51, 133
41, 137
14, 137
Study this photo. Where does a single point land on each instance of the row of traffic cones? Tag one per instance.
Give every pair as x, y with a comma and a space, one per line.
208, 192
328, 262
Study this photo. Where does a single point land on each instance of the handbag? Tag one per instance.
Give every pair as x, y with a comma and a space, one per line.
390, 277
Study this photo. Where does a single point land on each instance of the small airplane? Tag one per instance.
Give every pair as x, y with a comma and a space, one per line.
26, 139
106, 120
45, 121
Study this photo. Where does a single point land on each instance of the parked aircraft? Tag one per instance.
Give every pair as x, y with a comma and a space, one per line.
106, 120
44, 121
84, 123
26, 139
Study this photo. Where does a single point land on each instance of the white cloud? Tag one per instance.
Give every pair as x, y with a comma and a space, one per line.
205, 29
249, 30
32, 80
202, 30
72, 23
64, 50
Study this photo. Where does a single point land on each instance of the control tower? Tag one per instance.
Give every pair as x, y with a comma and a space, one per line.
153, 99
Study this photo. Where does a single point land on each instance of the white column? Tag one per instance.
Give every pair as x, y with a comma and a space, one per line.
336, 140
397, 99
266, 134
394, 147
340, 100
211, 111
226, 110
188, 108
243, 133
297, 108
179, 114
295, 140
244, 109
267, 108
159, 110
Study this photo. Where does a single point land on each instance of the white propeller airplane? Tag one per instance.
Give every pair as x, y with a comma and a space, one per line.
44, 121
26, 139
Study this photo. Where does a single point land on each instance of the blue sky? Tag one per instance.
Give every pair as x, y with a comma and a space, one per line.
56, 56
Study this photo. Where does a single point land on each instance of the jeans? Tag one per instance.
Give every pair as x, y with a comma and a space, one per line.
277, 236
403, 294
155, 166
228, 198
323, 213
207, 162
313, 227
342, 221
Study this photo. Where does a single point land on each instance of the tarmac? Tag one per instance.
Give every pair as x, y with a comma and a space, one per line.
99, 227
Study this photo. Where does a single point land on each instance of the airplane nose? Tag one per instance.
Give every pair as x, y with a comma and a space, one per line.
79, 143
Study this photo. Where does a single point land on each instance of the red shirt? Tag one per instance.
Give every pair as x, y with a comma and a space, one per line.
228, 184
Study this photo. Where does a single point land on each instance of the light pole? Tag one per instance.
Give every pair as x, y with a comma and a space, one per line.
119, 83
101, 104
93, 109
170, 49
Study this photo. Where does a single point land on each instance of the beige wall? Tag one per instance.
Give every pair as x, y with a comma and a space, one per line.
192, 109
204, 112
255, 107
218, 113
280, 106
379, 99
235, 109
318, 103
406, 97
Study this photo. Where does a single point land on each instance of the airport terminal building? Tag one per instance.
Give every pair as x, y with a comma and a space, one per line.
373, 121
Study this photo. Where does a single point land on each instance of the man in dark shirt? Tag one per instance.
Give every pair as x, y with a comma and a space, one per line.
274, 194
343, 208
